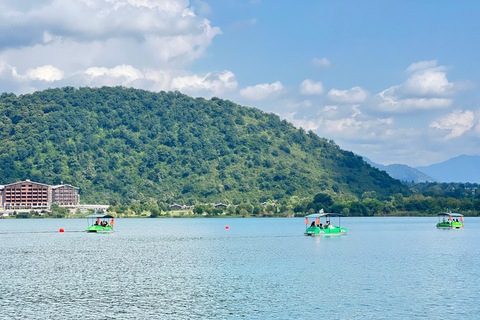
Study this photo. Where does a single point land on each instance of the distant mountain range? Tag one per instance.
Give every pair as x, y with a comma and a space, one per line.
458, 169
402, 172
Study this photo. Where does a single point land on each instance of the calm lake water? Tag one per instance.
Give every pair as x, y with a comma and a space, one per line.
385, 268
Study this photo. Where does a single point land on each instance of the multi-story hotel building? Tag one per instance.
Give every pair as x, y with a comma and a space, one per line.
29, 195
65, 195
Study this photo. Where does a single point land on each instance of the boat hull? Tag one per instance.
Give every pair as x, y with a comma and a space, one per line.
453, 225
99, 229
333, 231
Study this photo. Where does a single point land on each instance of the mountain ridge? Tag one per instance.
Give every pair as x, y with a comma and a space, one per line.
402, 172
463, 168
122, 145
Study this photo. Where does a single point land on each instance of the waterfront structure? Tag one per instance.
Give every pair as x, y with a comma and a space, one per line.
65, 195
177, 207
29, 195
1, 197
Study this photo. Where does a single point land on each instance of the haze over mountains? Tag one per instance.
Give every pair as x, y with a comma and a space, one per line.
463, 168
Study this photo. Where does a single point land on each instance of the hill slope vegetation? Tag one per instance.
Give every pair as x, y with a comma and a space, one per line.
120, 145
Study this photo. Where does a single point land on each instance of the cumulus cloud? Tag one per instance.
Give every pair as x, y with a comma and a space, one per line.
422, 65
122, 71
431, 81
322, 62
307, 124
342, 123
309, 87
45, 73
427, 88
353, 95
389, 102
458, 122
215, 82
122, 41
261, 91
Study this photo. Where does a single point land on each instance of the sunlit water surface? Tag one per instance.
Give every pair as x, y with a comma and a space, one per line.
385, 268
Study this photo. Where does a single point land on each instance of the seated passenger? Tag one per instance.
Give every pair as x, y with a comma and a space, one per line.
312, 224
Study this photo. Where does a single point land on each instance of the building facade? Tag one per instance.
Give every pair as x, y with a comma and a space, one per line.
29, 195
65, 195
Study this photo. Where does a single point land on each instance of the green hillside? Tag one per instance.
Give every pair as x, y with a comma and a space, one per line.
122, 145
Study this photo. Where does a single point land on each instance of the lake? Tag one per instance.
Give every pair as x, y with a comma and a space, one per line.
259, 268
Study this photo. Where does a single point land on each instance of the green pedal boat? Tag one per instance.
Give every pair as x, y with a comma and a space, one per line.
450, 220
316, 228
100, 223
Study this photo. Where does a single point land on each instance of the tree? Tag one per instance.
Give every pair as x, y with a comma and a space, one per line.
358, 209
57, 211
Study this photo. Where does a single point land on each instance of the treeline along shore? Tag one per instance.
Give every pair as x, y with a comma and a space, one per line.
414, 205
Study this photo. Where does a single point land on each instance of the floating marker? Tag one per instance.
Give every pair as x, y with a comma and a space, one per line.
227, 227
61, 230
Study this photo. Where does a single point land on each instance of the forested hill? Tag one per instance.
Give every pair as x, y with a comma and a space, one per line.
120, 145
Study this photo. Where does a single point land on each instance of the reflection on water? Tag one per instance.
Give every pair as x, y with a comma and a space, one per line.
385, 268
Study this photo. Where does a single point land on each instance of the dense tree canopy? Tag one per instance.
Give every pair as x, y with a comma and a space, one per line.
123, 146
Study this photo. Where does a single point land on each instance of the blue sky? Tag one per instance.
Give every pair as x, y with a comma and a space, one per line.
395, 81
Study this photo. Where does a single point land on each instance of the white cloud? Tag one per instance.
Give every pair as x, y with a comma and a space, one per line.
141, 42
389, 102
261, 91
307, 124
432, 81
216, 82
328, 108
323, 62
202, 7
457, 122
426, 89
122, 71
309, 87
353, 124
422, 65
45, 73
213, 83
353, 95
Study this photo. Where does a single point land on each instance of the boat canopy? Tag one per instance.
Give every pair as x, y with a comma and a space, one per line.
319, 215
450, 214
101, 216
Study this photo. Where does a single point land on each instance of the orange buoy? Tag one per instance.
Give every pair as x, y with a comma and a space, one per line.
227, 227
112, 222
61, 230
317, 221
306, 221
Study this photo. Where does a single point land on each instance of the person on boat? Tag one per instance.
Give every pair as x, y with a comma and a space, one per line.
312, 224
